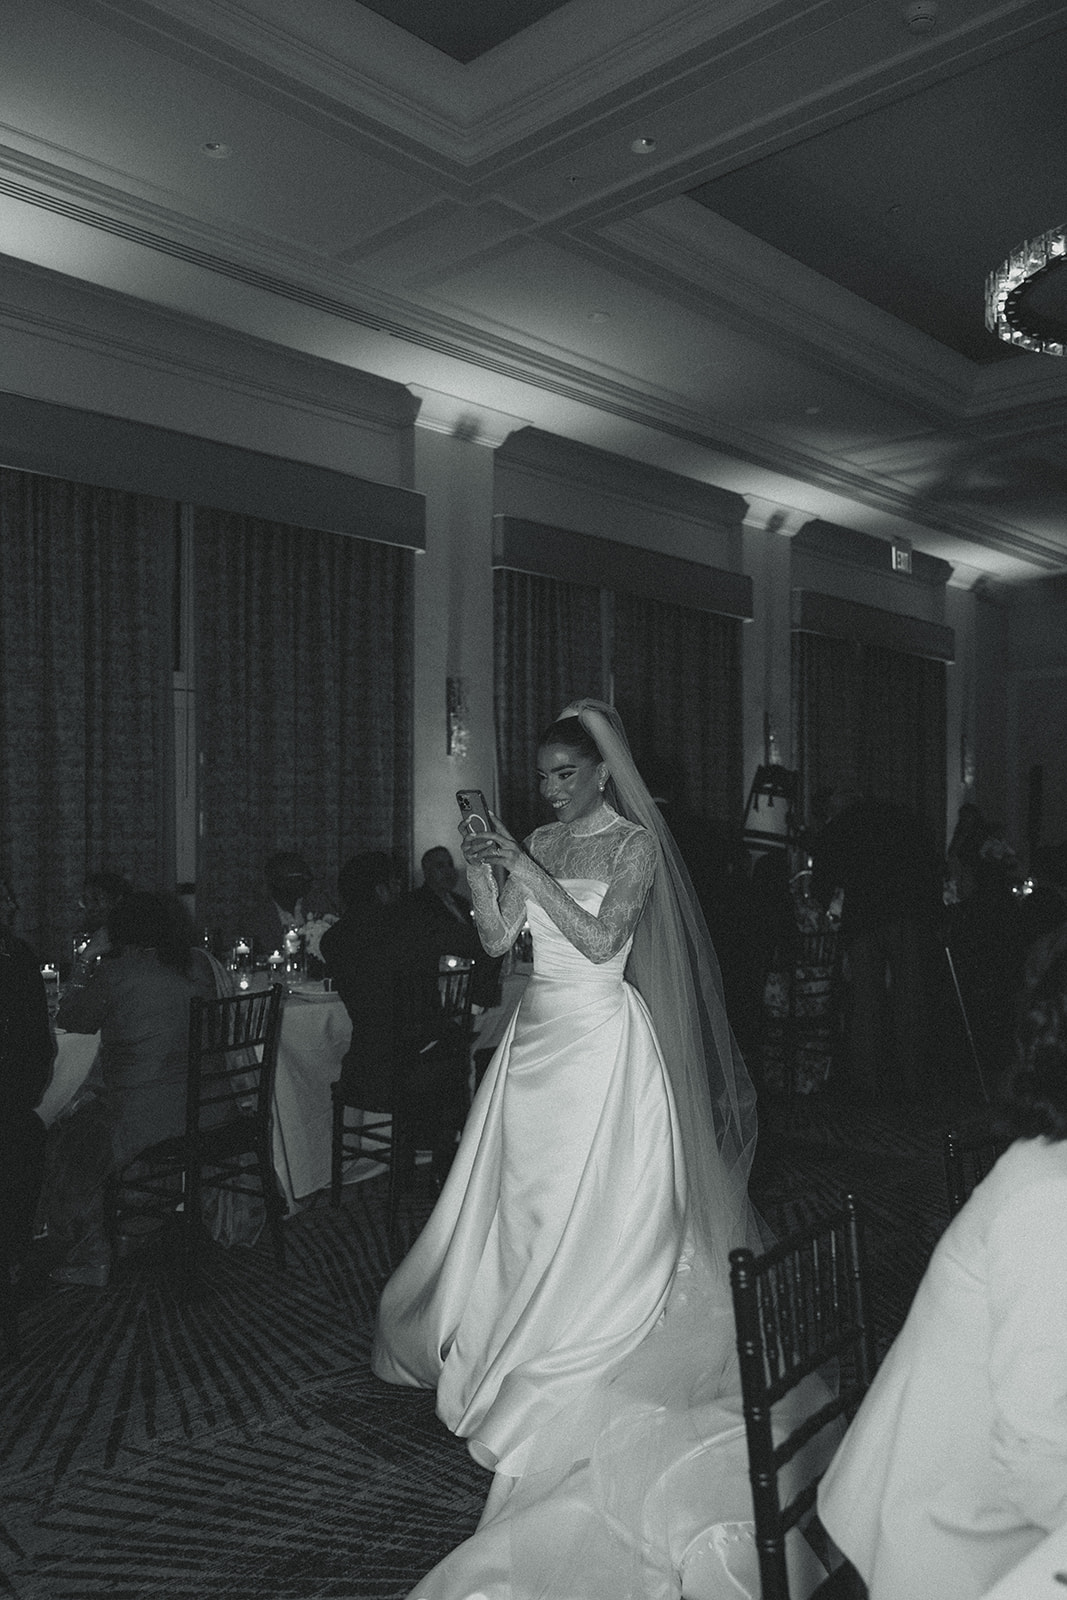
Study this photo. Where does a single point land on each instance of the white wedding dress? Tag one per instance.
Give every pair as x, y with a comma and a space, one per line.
552, 1248
576, 1342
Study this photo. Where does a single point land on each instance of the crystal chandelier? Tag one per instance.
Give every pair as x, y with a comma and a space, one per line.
1014, 295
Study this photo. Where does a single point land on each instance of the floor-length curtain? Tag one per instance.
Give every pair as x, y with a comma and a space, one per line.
828, 743
549, 649
869, 720
85, 725
904, 728
304, 705
677, 679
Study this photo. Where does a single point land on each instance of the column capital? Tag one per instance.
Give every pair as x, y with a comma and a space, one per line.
770, 516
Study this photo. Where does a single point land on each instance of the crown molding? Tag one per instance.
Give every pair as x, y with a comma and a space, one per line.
574, 379
358, 68
727, 275
461, 418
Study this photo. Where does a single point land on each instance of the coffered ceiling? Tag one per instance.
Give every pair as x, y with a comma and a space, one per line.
468, 30
745, 240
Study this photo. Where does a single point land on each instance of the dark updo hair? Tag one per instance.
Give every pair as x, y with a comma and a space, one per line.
362, 875
573, 733
1036, 1092
147, 920
109, 884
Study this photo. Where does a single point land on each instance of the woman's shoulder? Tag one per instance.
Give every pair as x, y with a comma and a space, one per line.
1019, 1188
1029, 1163
636, 839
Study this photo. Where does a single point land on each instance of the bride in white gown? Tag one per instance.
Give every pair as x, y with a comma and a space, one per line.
568, 1298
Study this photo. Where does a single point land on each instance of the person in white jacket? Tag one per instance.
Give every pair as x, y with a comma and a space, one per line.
955, 1466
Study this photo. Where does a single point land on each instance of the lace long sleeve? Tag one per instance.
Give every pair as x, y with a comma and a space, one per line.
629, 877
498, 917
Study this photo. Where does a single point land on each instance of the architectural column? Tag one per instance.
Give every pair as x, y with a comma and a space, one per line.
766, 648
453, 630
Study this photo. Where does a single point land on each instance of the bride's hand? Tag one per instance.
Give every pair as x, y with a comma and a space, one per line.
496, 849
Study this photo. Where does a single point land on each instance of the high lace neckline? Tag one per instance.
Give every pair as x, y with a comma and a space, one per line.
603, 817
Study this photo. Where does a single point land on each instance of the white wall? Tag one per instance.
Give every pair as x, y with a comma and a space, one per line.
453, 630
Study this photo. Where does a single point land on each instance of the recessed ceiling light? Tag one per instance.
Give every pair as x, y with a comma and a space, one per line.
216, 150
643, 146
920, 16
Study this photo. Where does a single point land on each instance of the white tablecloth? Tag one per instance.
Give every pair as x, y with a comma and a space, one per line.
314, 1036
75, 1055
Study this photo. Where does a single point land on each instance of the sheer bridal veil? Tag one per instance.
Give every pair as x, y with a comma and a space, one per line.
674, 968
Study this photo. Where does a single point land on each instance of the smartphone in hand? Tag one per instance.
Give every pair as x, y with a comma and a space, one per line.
474, 813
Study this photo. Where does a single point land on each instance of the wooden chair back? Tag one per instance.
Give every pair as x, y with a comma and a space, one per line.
799, 1307
969, 1154
233, 1058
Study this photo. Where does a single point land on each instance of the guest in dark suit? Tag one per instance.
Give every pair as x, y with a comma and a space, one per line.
288, 882
388, 981
439, 923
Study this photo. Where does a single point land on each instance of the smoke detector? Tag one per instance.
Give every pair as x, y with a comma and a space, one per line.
920, 16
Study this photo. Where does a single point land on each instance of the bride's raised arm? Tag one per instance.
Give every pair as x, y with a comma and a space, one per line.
596, 935
498, 916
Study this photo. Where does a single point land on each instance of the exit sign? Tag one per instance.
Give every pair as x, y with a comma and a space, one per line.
901, 558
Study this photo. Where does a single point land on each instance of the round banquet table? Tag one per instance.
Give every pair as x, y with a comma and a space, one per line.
315, 1033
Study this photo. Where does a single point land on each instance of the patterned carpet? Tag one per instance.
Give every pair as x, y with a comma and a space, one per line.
235, 1442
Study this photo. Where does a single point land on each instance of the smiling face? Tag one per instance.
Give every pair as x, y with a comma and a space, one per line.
570, 782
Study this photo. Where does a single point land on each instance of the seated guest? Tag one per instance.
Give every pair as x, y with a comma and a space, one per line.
26, 1051
955, 1466
288, 881
388, 982
101, 892
137, 997
439, 921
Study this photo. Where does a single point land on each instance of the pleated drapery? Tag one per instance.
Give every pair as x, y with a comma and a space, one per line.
869, 720
677, 675
304, 705
85, 722
549, 649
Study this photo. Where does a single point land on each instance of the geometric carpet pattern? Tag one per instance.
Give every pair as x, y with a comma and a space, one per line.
233, 1442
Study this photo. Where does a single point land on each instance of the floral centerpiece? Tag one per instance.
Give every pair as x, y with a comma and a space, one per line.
313, 931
